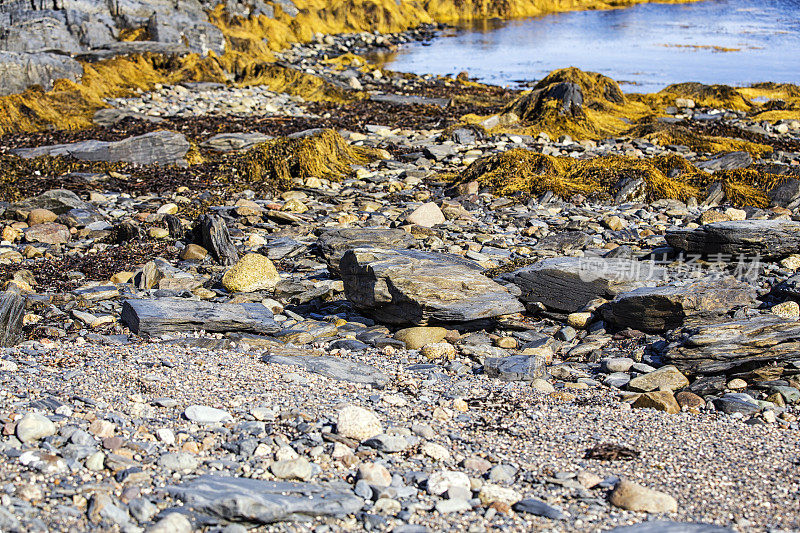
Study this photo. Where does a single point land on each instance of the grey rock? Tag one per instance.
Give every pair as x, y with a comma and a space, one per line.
729, 404
214, 237
332, 244
668, 526
401, 99
154, 148
408, 287
18, 71
726, 161
157, 316
183, 462
59, 201
226, 142
539, 508
33, 427
172, 523
202, 414
142, 509
333, 367
729, 347
262, 502
569, 283
387, 443
673, 305
515, 367
770, 239
12, 311
786, 194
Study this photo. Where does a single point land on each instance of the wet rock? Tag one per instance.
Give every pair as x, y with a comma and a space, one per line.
12, 312
256, 501
253, 272
670, 306
333, 367
157, 316
155, 148
634, 497
569, 283
770, 239
406, 287
334, 243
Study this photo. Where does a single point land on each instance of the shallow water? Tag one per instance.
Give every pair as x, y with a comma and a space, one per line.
645, 47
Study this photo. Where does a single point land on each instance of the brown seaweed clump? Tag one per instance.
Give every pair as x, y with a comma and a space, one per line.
318, 153
521, 172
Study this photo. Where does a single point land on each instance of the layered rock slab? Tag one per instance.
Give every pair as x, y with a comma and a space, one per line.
670, 306
411, 287
770, 239
255, 501
567, 284
163, 315
332, 244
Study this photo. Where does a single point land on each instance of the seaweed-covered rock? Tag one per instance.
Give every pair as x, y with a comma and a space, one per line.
765, 238
568, 283
672, 305
410, 287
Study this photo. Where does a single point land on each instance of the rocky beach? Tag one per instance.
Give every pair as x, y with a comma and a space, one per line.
253, 281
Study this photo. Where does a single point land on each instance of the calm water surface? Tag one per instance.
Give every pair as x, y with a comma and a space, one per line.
645, 47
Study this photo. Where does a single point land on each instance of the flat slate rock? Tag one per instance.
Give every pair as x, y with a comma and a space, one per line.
333, 367
255, 501
567, 284
412, 287
226, 142
539, 508
12, 310
332, 244
157, 316
736, 345
59, 201
668, 526
154, 148
771, 239
673, 305
515, 368
402, 99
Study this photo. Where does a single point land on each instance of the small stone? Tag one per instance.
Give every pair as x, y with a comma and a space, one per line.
358, 423
172, 523
41, 216
508, 343
435, 451
298, 468
168, 209
102, 428
634, 497
426, 215
375, 474
659, 400
665, 378
737, 384
689, 400
439, 350
179, 462
789, 310
95, 462
158, 233
439, 482
542, 385
417, 337
253, 272
203, 414
33, 427
194, 252
387, 506
491, 493
589, 480
579, 320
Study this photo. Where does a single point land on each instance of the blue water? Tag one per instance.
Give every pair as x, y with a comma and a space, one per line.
645, 47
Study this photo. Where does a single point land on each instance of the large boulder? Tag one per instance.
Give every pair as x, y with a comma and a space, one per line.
772, 239
569, 283
18, 71
670, 306
412, 287
333, 243
154, 148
